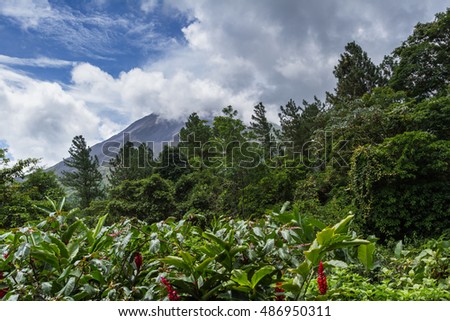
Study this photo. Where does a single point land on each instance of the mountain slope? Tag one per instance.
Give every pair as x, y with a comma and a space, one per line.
150, 129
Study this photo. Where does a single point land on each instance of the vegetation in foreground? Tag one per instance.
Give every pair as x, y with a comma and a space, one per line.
281, 256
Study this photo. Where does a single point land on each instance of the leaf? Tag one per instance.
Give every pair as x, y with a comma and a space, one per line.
398, 249
260, 274
203, 265
258, 232
23, 251
61, 204
365, 255
69, 232
342, 225
313, 255
268, 247
303, 269
155, 245
187, 258
46, 257
337, 263
99, 226
68, 288
240, 277
213, 237
61, 246
325, 236
176, 261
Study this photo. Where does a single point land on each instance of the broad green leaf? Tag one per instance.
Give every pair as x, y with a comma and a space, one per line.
99, 226
258, 232
303, 269
342, 225
69, 232
187, 258
236, 249
46, 257
261, 273
398, 249
61, 246
68, 288
240, 277
176, 261
313, 256
325, 236
365, 255
22, 251
61, 204
213, 237
268, 247
155, 245
203, 265
337, 263
349, 243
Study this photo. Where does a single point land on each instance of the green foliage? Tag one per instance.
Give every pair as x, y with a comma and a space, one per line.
422, 62
401, 186
22, 188
62, 258
131, 163
85, 179
412, 274
355, 73
150, 199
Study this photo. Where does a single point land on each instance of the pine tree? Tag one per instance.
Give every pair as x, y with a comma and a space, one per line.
262, 129
356, 75
132, 163
85, 179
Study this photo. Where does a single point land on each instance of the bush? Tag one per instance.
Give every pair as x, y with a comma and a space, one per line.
402, 186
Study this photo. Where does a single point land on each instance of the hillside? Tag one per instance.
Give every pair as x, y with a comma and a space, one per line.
151, 129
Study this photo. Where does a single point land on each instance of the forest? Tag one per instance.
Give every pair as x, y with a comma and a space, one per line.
348, 198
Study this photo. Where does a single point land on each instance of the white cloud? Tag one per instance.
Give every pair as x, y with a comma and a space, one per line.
39, 119
27, 12
42, 62
148, 5
237, 52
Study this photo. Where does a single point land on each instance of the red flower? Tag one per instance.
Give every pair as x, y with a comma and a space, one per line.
5, 255
279, 289
171, 292
138, 260
322, 280
1, 275
3, 292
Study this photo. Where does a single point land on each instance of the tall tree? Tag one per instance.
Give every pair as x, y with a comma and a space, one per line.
85, 179
193, 137
132, 163
263, 129
422, 62
298, 123
356, 75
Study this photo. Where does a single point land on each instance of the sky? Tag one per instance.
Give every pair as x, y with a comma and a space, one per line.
92, 67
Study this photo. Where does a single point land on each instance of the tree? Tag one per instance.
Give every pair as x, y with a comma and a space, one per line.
193, 137
356, 75
263, 130
132, 163
85, 179
422, 63
41, 184
15, 207
299, 123
150, 199
401, 185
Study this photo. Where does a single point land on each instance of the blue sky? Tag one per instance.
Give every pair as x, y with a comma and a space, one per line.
92, 67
